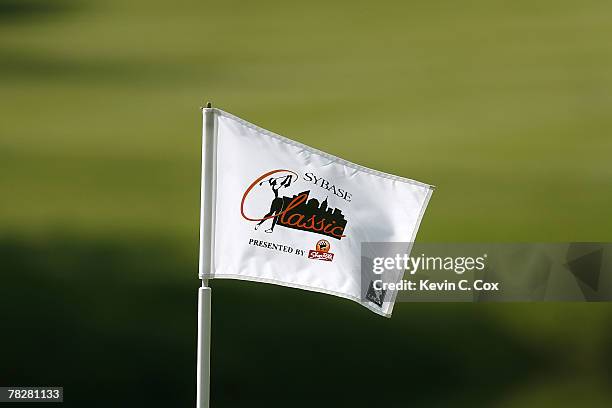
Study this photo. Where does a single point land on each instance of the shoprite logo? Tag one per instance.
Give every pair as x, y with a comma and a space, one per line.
297, 211
322, 251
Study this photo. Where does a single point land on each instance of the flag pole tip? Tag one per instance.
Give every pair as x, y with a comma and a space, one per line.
208, 105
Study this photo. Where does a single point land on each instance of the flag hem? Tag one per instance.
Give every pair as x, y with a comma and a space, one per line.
260, 279
415, 231
322, 153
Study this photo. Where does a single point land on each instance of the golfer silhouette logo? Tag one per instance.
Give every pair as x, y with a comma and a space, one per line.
276, 207
293, 211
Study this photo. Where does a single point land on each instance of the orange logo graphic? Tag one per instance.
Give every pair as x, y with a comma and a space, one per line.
323, 246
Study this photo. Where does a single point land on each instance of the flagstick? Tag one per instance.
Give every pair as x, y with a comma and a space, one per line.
205, 263
203, 375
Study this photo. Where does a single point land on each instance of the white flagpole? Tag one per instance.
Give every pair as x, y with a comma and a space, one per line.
207, 204
203, 375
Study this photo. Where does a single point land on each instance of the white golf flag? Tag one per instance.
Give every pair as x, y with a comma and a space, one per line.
282, 212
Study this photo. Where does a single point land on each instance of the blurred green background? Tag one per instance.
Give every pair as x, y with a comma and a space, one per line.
504, 105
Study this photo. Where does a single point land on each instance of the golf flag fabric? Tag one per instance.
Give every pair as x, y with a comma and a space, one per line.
287, 214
